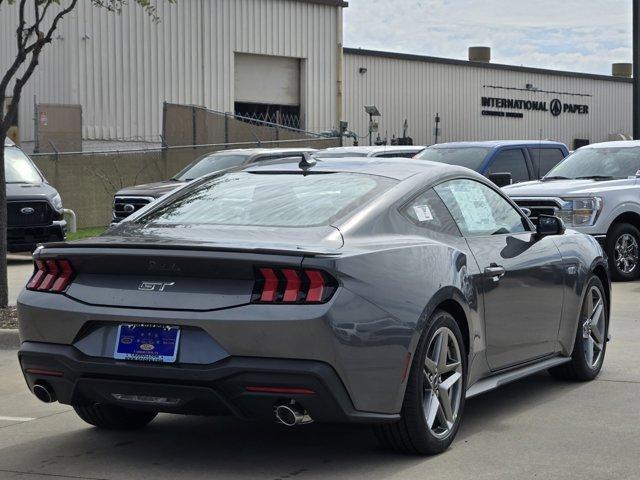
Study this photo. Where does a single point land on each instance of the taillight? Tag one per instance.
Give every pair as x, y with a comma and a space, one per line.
51, 276
288, 285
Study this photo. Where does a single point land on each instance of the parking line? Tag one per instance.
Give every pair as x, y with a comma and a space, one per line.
16, 419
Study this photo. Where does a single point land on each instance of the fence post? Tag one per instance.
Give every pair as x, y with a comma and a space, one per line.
164, 124
193, 124
226, 130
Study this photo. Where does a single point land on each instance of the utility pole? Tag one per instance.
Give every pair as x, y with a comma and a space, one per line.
636, 69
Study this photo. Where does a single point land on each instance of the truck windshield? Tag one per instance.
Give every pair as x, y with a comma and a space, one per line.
18, 167
472, 157
599, 164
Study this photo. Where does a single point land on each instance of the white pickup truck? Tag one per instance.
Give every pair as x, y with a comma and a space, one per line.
595, 191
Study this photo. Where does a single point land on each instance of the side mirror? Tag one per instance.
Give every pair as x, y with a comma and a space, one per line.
548, 225
501, 179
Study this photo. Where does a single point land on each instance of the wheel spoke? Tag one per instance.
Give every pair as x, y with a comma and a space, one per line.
445, 403
595, 321
589, 350
431, 408
427, 380
450, 367
451, 381
443, 351
430, 365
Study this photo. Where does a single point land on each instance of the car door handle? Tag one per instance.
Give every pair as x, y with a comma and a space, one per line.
496, 272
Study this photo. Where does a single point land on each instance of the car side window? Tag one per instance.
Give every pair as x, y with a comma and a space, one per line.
478, 210
428, 211
513, 162
544, 159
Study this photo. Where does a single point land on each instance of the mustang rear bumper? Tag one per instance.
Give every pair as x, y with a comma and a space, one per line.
226, 387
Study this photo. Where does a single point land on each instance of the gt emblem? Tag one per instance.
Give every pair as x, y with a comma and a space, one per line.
27, 211
155, 286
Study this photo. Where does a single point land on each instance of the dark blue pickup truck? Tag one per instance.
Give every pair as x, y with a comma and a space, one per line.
502, 161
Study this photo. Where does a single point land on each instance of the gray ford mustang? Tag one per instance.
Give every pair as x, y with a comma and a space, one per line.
377, 291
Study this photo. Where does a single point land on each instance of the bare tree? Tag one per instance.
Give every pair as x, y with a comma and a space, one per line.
36, 23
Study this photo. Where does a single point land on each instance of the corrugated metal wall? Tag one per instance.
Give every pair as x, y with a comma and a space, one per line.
121, 68
417, 90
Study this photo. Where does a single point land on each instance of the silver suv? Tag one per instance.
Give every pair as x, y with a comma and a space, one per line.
595, 191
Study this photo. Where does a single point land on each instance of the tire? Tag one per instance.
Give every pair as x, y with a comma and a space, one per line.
620, 235
412, 434
111, 417
580, 368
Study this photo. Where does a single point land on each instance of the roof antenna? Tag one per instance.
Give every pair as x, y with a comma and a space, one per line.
307, 162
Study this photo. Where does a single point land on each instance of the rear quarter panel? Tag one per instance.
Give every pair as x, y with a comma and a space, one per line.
404, 283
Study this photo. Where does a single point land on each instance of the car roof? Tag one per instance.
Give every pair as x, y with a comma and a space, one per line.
8, 142
620, 144
370, 150
395, 168
499, 143
258, 151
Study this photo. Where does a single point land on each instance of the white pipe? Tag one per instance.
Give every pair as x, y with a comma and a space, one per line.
72, 220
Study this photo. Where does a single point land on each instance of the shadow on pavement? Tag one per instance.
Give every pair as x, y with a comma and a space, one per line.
203, 447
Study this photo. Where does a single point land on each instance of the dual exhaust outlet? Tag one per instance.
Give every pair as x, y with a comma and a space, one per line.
291, 414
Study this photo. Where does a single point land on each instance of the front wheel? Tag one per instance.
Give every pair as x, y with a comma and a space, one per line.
623, 249
435, 395
591, 338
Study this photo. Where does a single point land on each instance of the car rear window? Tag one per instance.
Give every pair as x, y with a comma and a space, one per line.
270, 200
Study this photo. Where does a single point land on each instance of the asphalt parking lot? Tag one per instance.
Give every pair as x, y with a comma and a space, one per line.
535, 428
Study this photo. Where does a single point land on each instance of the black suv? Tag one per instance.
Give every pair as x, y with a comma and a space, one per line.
34, 208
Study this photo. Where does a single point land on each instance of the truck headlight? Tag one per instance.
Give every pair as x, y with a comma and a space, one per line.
581, 212
57, 202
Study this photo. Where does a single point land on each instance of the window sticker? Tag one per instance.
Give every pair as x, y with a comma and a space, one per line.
423, 213
474, 207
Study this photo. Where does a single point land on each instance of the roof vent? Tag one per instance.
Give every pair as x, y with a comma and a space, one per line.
480, 54
622, 70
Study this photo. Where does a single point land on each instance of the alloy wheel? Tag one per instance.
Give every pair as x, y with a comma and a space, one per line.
442, 388
594, 327
626, 253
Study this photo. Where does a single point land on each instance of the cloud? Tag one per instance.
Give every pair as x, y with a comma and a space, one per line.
576, 35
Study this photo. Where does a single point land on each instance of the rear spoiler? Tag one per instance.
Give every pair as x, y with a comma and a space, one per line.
92, 245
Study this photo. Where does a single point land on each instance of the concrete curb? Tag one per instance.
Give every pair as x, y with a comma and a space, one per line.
9, 339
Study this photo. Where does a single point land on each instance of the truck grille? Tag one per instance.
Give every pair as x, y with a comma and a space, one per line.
542, 206
29, 214
125, 206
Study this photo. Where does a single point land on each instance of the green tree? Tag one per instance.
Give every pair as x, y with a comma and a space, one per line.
36, 23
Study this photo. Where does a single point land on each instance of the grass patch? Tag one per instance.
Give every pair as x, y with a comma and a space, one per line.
85, 233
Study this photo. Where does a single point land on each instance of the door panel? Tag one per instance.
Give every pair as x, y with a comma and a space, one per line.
523, 306
521, 274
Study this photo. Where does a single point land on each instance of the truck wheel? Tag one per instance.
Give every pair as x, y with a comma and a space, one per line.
623, 249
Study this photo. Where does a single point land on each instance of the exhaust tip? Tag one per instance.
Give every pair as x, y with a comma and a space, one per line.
291, 415
44, 393
286, 415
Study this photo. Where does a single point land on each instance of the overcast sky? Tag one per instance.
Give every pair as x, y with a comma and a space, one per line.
577, 35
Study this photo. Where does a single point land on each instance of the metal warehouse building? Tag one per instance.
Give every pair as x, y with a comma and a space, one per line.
285, 58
